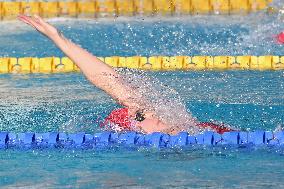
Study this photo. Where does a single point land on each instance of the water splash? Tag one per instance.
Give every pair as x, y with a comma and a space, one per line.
159, 98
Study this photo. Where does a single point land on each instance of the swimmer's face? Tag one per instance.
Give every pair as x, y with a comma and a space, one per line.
150, 124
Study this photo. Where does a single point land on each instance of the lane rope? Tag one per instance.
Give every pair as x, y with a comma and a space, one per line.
154, 63
157, 139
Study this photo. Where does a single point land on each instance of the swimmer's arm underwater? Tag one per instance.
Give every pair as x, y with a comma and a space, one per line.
99, 73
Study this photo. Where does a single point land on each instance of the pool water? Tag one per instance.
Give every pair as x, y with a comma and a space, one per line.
67, 102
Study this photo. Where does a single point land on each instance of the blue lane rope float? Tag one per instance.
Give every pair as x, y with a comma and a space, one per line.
132, 139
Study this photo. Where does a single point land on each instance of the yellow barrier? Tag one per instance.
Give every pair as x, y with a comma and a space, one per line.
163, 7
201, 62
112, 61
86, 9
175, 63
221, 6
220, 63
277, 63
68, 65
145, 7
182, 6
133, 62
31, 8
106, 8
257, 4
23, 65
154, 63
4, 65
241, 62
125, 8
49, 65
239, 6
49, 9
68, 9
201, 7
92, 8
10, 10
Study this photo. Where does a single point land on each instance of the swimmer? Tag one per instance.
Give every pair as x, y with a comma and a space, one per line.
135, 114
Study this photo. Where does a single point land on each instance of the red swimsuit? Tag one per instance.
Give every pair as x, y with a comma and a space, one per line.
120, 117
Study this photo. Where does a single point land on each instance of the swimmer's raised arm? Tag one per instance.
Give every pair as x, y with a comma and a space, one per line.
99, 73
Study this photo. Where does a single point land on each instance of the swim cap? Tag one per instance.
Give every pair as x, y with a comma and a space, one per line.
280, 38
120, 117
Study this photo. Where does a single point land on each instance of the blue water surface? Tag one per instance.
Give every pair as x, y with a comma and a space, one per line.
67, 102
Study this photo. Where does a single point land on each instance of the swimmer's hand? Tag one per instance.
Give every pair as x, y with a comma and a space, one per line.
39, 24
100, 74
